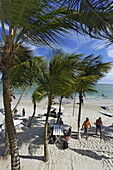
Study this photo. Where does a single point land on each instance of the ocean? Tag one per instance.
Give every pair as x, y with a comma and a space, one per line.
104, 91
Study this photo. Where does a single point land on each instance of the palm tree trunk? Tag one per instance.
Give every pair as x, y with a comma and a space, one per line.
29, 124
59, 113
74, 104
20, 98
46, 151
79, 115
15, 160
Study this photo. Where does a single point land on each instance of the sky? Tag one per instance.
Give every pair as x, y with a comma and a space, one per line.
81, 45
85, 45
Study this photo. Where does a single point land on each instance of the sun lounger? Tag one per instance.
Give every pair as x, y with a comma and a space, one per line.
104, 107
2, 111
16, 124
18, 115
106, 114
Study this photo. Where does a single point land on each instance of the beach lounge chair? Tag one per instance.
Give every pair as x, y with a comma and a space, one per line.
106, 113
2, 111
104, 107
18, 115
16, 124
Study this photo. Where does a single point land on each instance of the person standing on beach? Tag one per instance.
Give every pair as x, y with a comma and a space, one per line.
23, 112
99, 126
60, 122
15, 112
85, 125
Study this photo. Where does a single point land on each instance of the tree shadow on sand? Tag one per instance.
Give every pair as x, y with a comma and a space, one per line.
1, 144
90, 154
32, 137
32, 157
107, 132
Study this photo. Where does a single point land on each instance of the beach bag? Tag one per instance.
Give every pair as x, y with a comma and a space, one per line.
65, 144
51, 141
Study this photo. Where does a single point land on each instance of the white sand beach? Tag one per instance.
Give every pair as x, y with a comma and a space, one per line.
92, 154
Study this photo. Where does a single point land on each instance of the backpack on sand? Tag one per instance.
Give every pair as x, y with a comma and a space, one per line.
65, 144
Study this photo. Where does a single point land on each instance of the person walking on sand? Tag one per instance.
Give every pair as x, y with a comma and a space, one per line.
85, 125
99, 126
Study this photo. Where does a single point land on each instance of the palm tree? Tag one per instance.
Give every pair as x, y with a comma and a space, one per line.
36, 97
56, 81
90, 71
25, 68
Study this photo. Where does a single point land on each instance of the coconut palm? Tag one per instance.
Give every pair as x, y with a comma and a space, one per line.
24, 54
56, 81
90, 71
36, 97
22, 76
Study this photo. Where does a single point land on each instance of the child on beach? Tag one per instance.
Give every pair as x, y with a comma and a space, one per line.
85, 125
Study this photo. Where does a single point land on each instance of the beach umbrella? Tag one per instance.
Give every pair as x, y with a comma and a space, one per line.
57, 107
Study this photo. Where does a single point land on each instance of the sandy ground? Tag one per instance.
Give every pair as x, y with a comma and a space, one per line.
92, 154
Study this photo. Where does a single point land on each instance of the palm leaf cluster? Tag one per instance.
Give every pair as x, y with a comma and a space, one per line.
41, 22
91, 69
25, 68
97, 20
58, 78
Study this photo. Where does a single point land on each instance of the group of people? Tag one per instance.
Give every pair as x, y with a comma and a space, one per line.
87, 124
16, 112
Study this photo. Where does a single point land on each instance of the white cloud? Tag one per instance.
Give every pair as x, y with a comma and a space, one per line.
110, 73
110, 51
106, 80
98, 45
80, 39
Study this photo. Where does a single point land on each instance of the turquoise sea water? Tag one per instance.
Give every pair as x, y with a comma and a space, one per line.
105, 91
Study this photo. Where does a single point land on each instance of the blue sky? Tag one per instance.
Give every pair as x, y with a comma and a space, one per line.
86, 45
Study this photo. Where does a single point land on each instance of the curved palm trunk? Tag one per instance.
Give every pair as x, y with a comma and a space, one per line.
59, 109
79, 114
29, 124
46, 152
20, 98
15, 160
